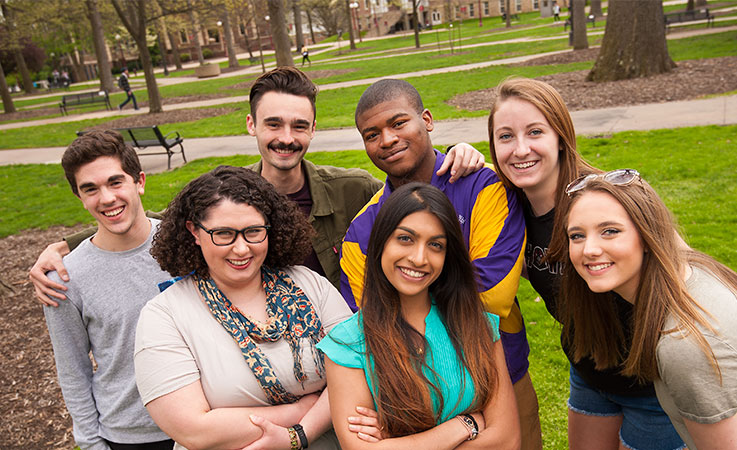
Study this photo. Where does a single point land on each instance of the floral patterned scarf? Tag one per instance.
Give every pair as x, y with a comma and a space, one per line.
291, 317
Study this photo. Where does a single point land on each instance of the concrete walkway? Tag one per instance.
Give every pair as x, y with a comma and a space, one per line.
713, 111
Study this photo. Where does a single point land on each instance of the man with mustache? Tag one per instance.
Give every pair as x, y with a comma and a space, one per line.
283, 121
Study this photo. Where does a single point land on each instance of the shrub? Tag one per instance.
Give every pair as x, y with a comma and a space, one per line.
207, 53
185, 57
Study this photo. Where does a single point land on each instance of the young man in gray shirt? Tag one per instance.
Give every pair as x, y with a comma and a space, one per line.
113, 276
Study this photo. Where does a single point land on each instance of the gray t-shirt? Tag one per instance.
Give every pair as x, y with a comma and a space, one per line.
688, 387
106, 292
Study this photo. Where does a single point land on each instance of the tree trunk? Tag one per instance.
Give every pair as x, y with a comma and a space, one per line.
508, 13
196, 33
175, 51
78, 73
228, 32
162, 50
689, 5
309, 22
154, 98
98, 39
134, 20
298, 37
417, 23
596, 8
282, 44
350, 24
247, 41
20, 61
634, 43
578, 25
8, 105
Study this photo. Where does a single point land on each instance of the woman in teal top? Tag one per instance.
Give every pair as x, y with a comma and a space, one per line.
421, 364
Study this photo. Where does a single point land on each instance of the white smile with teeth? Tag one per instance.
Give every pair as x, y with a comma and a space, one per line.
599, 266
113, 213
283, 151
412, 273
239, 262
525, 165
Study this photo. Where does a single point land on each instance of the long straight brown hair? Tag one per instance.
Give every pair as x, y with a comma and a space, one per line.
402, 391
591, 326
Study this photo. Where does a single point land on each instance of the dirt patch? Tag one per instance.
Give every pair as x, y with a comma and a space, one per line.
691, 79
172, 116
33, 411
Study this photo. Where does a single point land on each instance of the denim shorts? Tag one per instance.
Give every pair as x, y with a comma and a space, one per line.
645, 426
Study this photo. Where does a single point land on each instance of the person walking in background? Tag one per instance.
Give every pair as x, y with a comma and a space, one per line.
126, 87
556, 12
305, 55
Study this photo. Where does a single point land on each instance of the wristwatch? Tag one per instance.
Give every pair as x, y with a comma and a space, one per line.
470, 423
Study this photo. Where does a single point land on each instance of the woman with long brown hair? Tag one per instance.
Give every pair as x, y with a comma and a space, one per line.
421, 352
533, 146
620, 240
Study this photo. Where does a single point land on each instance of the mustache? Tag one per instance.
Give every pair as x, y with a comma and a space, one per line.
294, 146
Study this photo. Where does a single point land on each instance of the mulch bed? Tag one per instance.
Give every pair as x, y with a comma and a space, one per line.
33, 412
691, 79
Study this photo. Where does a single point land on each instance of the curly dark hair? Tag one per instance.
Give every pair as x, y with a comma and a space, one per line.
174, 247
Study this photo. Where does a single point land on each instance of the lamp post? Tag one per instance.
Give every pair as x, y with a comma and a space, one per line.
271, 41
222, 37
120, 48
354, 17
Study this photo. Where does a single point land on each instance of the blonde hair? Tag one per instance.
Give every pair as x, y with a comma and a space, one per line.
591, 324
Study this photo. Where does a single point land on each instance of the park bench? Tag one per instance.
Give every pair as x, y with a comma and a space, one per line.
144, 137
513, 17
86, 98
689, 16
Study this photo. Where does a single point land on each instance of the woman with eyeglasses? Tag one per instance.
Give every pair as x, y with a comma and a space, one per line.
226, 357
421, 365
618, 236
533, 146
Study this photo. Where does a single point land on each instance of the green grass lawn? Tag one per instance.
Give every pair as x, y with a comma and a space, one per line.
335, 107
691, 168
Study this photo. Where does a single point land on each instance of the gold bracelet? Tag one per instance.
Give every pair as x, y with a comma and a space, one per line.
293, 439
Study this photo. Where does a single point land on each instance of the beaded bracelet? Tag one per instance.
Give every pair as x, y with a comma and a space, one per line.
302, 436
293, 439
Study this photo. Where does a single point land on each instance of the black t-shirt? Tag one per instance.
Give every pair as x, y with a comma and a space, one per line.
545, 279
304, 201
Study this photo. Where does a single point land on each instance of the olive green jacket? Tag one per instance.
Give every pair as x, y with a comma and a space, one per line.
337, 196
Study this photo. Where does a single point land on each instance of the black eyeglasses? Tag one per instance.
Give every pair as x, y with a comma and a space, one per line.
226, 236
619, 177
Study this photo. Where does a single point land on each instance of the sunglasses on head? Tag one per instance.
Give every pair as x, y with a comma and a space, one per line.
619, 177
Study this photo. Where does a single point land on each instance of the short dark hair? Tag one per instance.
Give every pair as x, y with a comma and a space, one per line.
93, 145
287, 80
385, 90
174, 246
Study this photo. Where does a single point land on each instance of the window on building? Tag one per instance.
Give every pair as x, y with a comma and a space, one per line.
470, 10
242, 29
213, 36
501, 6
519, 5
535, 4
183, 37
486, 8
